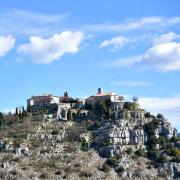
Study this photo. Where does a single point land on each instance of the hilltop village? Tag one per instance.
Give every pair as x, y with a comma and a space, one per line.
60, 106
100, 137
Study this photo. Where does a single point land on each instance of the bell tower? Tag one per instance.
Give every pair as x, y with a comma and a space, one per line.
100, 91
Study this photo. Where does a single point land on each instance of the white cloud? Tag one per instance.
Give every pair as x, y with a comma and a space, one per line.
160, 103
23, 22
122, 62
117, 42
131, 83
39, 18
169, 106
163, 57
168, 37
6, 44
132, 24
47, 50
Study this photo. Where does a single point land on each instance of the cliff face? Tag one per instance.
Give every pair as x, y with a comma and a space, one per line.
132, 144
138, 133
130, 129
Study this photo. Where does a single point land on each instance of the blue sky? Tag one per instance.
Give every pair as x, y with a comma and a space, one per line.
131, 47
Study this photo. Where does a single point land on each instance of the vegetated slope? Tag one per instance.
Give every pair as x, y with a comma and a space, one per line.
131, 145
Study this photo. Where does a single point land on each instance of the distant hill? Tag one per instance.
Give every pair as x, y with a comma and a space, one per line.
96, 142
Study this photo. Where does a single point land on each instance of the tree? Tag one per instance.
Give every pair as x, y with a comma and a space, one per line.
135, 99
153, 154
109, 113
20, 114
23, 112
1, 115
66, 94
1, 118
100, 108
147, 115
69, 115
160, 116
131, 105
16, 112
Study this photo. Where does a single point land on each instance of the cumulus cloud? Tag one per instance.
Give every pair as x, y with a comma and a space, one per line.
6, 44
169, 106
116, 42
168, 37
131, 83
163, 57
48, 50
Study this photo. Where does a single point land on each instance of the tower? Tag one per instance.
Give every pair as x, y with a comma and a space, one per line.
100, 91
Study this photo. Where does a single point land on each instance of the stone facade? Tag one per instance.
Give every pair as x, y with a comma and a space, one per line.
43, 99
101, 96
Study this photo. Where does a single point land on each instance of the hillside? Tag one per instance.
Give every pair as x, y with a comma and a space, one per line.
132, 144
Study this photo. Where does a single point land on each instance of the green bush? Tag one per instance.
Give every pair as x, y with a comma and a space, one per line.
111, 162
55, 132
153, 154
131, 105
120, 169
161, 140
141, 152
129, 151
160, 116
85, 174
151, 127
172, 151
84, 145
162, 159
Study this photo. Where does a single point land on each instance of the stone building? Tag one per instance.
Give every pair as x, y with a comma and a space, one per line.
63, 110
113, 97
42, 100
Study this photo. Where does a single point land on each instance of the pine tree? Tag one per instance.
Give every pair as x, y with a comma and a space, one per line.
20, 114
23, 112
69, 115
16, 112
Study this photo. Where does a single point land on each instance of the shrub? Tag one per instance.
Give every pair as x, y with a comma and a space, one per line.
131, 105
55, 132
111, 162
44, 176
161, 140
153, 154
85, 174
151, 127
84, 145
120, 169
73, 133
105, 167
141, 152
129, 151
160, 116
176, 159
58, 172
147, 115
162, 159
172, 151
